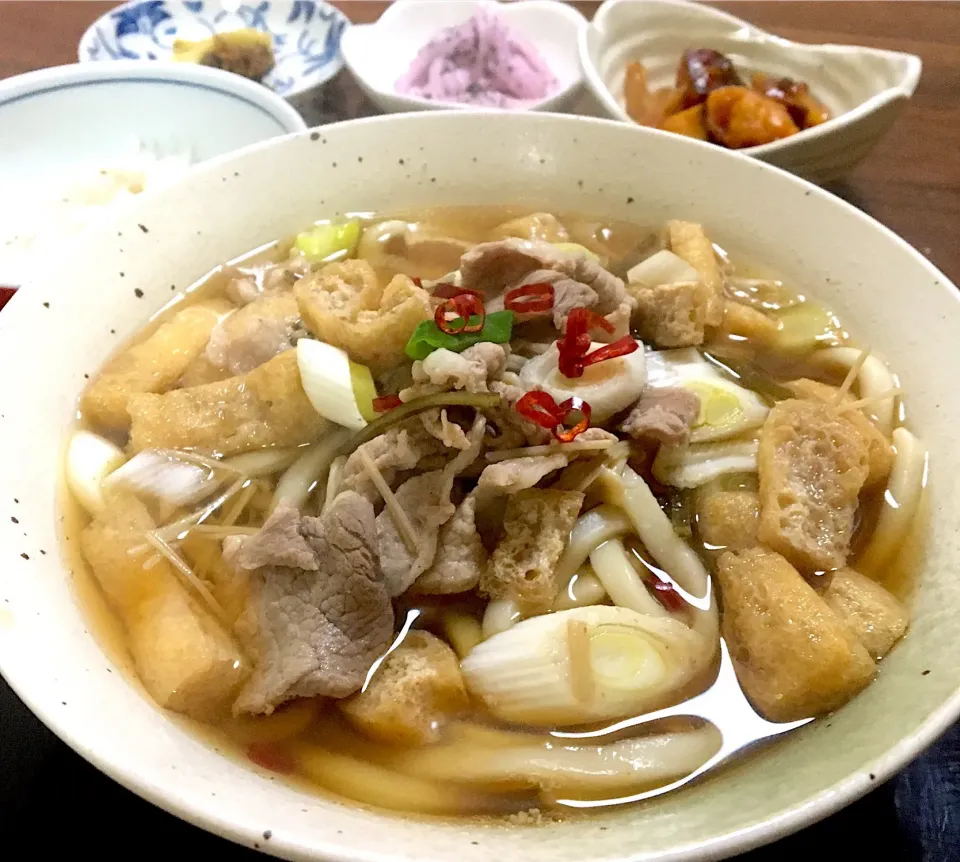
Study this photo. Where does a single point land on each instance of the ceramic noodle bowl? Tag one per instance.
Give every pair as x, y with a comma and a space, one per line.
83, 306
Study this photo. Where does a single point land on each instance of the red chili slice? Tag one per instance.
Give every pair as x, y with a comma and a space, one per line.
5, 295
576, 340
529, 298
582, 320
416, 280
572, 405
461, 308
667, 595
386, 402
540, 408
621, 347
270, 756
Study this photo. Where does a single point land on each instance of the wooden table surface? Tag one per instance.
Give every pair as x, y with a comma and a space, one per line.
911, 183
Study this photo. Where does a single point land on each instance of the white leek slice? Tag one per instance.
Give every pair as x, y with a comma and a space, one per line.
584, 665
90, 459
173, 477
664, 267
608, 387
695, 465
805, 327
339, 390
726, 409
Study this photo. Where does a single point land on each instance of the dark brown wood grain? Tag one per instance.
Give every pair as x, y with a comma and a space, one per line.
911, 182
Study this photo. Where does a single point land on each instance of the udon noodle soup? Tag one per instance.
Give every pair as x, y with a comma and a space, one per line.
422, 511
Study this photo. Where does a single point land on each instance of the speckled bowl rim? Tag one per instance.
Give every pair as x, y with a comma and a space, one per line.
825, 801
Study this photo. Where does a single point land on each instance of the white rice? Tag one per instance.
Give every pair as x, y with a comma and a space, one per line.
69, 201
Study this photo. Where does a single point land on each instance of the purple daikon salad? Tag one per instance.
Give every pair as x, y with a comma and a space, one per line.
480, 62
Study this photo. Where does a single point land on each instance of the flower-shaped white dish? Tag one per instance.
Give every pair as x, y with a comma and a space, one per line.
863, 88
378, 54
306, 35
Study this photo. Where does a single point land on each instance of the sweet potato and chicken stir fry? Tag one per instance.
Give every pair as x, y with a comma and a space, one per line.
711, 101
389, 504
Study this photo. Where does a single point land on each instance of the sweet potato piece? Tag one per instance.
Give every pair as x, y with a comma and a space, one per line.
410, 696
689, 123
689, 241
184, 657
728, 519
879, 451
876, 617
266, 407
343, 304
737, 117
536, 528
794, 657
153, 365
812, 465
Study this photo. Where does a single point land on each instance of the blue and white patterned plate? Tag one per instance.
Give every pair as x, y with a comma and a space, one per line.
306, 34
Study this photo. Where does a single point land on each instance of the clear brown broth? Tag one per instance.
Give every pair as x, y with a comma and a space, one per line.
255, 737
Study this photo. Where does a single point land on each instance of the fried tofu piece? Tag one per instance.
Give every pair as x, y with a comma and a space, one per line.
184, 657
746, 322
154, 365
536, 527
728, 519
264, 408
812, 464
412, 694
872, 613
689, 241
879, 451
794, 657
344, 304
671, 315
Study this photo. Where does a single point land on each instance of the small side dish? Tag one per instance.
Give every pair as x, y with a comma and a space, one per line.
480, 62
246, 52
713, 101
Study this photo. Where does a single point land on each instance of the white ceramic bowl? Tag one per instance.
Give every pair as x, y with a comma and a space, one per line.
306, 35
78, 115
864, 88
378, 54
51, 338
